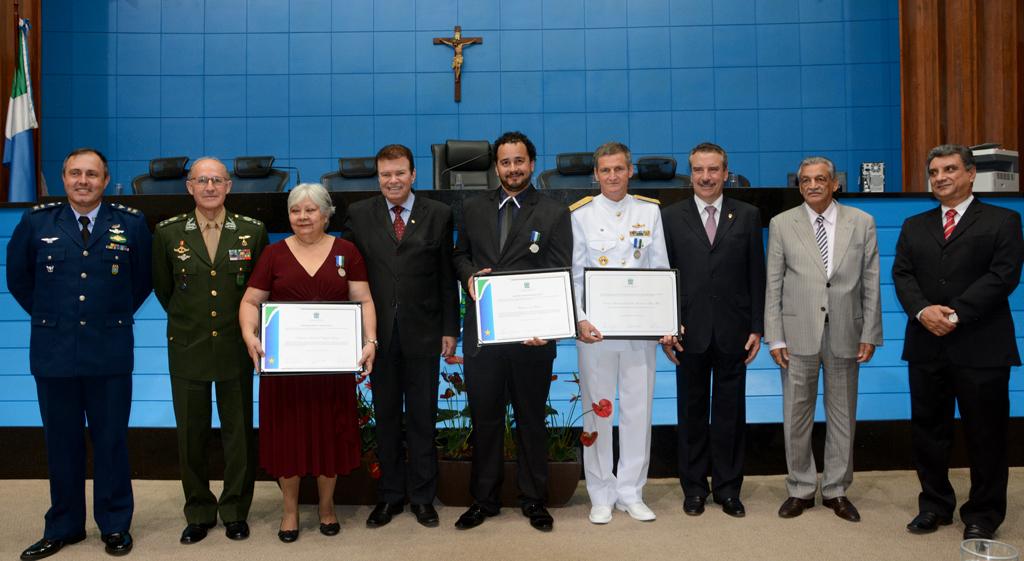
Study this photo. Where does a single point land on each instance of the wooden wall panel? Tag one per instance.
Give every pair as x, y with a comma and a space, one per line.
960, 68
31, 9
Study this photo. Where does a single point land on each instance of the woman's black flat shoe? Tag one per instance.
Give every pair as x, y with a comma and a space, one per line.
287, 536
331, 529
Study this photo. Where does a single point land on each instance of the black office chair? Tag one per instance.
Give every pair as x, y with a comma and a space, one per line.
353, 174
463, 164
166, 176
257, 174
658, 172
573, 170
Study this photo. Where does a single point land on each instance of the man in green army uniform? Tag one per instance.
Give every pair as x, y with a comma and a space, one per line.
201, 263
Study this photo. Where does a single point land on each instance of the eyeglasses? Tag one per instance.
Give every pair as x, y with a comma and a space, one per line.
203, 180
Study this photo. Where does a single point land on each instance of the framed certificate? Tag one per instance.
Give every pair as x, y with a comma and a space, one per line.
515, 307
311, 337
632, 303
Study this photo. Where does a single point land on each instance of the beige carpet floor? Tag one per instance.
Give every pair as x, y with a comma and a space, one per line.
887, 501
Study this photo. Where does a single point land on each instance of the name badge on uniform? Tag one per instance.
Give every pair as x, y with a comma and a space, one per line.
240, 254
534, 238
339, 261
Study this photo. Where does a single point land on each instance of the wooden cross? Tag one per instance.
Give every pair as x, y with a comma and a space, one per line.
457, 42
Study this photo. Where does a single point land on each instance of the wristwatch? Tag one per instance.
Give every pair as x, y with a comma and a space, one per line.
374, 341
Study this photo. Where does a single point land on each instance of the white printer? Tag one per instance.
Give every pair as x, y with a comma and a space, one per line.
998, 169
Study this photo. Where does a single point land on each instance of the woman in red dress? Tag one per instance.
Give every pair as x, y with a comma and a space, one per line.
308, 423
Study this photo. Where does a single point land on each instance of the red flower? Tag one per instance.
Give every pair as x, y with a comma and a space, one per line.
554, 377
588, 438
454, 359
602, 408
448, 394
455, 379
369, 386
374, 470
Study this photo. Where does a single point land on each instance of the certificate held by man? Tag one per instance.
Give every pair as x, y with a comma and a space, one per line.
632, 303
517, 307
311, 337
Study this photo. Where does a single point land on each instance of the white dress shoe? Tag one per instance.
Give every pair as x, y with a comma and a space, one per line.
638, 511
600, 514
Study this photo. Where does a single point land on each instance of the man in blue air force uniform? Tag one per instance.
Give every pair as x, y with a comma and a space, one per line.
81, 269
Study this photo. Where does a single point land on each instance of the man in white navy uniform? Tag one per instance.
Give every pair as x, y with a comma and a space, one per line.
616, 230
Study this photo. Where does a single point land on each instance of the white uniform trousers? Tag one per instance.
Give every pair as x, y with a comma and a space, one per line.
629, 365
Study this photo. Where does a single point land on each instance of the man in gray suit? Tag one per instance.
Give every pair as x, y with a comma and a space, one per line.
822, 309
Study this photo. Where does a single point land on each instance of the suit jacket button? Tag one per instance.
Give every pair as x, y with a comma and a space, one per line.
214, 333
828, 285
213, 313
84, 275
823, 308
81, 297
213, 273
213, 293
81, 322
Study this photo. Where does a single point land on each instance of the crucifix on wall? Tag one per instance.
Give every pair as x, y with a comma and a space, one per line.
456, 42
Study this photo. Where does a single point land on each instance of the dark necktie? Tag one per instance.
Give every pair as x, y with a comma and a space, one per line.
84, 221
399, 223
506, 217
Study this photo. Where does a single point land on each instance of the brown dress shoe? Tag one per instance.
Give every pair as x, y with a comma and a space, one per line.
794, 507
843, 508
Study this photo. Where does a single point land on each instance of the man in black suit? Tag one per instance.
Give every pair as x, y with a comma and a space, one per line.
954, 270
511, 228
407, 244
715, 243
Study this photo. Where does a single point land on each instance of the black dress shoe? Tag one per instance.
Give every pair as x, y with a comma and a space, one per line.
118, 543
330, 528
843, 508
794, 507
238, 530
382, 513
47, 547
927, 522
473, 517
195, 533
539, 517
976, 532
288, 536
694, 506
426, 515
732, 506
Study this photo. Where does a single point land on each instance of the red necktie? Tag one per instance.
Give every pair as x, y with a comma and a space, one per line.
399, 223
947, 228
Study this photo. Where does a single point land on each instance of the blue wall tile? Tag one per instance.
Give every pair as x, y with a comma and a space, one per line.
434, 94
98, 133
266, 53
530, 124
868, 128
823, 86
437, 15
521, 50
778, 86
394, 94
352, 94
727, 12
266, 96
650, 132
606, 49
868, 84
224, 137
778, 44
225, 16
224, 96
480, 127
607, 90
523, 92
565, 91
691, 12
309, 95
352, 135
95, 96
181, 54
693, 88
56, 96
481, 92
692, 47
777, 11
394, 130
90, 53
605, 13
563, 14
138, 53
309, 53
57, 139
224, 54
649, 47
747, 164
867, 41
605, 127
138, 139
824, 130
480, 14
86, 16
138, 16
309, 15
266, 16
138, 96
351, 52
180, 137
432, 129
733, 46
822, 43
780, 129
821, 10
266, 136
565, 132
522, 14
394, 15
736, 131
310, 137
776, 165
57, 53
650, 90
181, 16
352, 15
563, 49
394, 52
181, 96
648, 13
736, 88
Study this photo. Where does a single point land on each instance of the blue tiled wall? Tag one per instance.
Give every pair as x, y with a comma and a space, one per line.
312, 80
884, 392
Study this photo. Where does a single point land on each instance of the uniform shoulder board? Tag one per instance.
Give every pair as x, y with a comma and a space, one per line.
648, 199
171, 220
129, 209
580, 203
44, 206
248, 219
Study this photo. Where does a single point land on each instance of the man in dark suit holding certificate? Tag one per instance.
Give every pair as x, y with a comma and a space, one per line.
512, 228
407, 243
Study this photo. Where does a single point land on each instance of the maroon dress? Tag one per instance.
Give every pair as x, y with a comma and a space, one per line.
308, 423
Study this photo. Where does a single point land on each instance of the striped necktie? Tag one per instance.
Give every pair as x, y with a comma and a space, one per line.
822, 238
947, 228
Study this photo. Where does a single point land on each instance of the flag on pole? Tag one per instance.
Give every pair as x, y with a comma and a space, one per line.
19, 151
